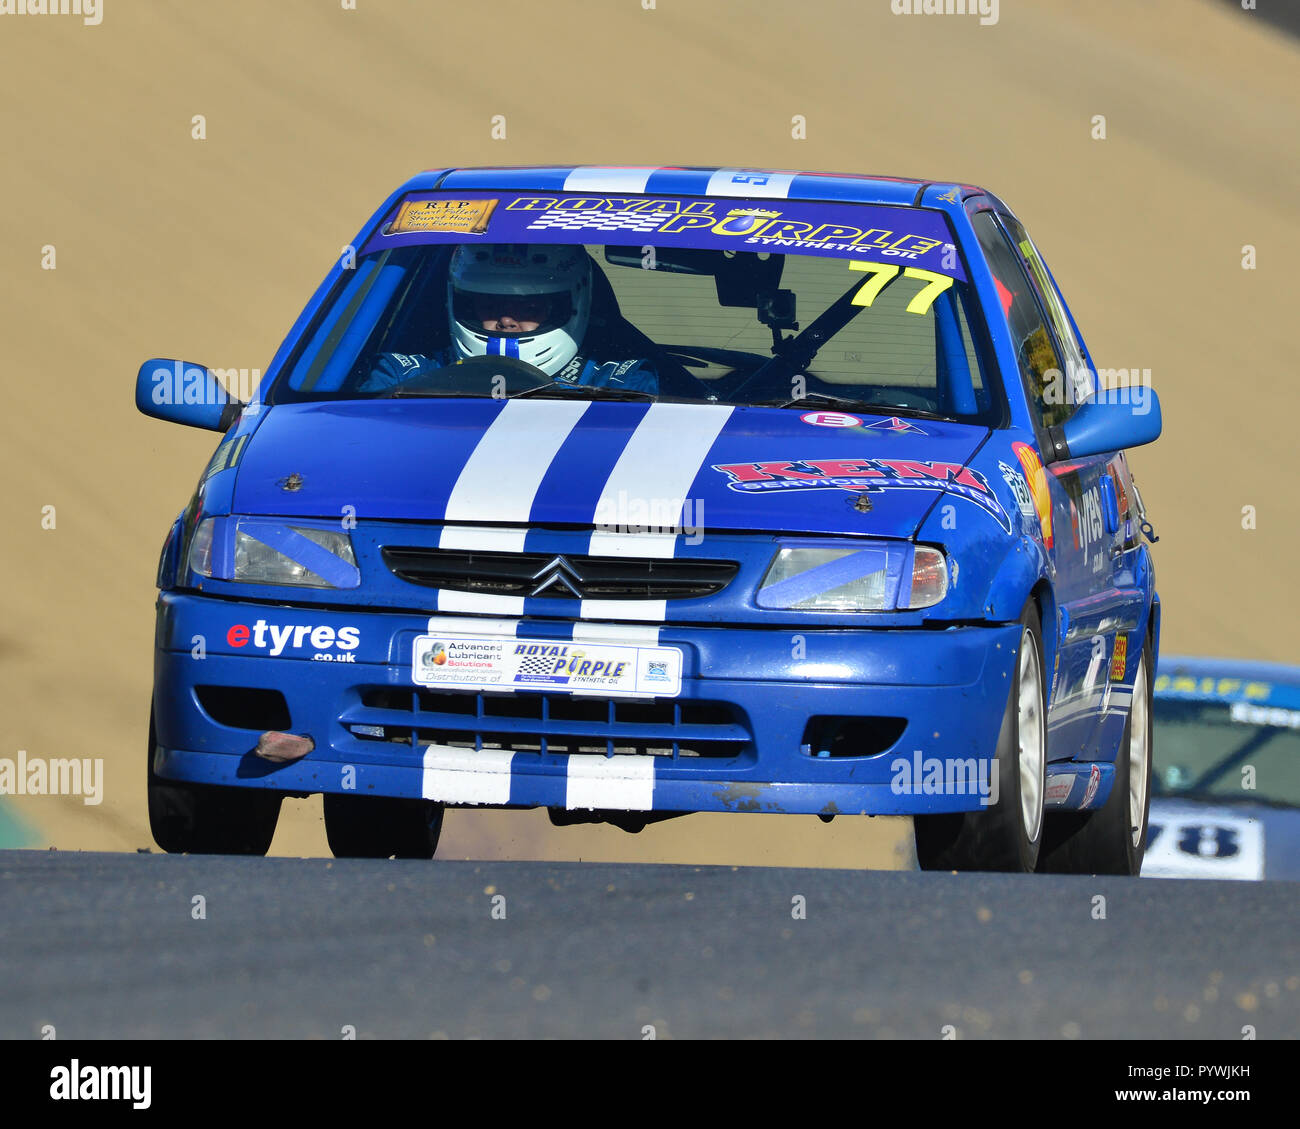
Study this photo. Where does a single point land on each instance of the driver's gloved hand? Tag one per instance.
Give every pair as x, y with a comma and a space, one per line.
636, 375
393, 369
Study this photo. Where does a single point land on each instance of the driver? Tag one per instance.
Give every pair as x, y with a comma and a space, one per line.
531, 301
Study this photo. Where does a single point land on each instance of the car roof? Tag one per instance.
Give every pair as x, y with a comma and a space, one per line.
671, 180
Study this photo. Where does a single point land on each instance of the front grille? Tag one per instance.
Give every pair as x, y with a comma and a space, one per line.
568, 577
549, 724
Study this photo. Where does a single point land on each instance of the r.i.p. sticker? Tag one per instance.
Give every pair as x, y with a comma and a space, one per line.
468, 217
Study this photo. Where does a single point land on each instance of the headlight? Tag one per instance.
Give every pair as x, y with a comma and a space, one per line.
856, 578
257, 551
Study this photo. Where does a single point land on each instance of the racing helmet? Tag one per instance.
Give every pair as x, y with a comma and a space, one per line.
549, 283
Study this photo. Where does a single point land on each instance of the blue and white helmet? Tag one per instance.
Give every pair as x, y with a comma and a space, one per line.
557, 276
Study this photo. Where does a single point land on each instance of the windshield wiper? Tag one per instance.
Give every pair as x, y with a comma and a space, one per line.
590, 392
398, 390
812, 399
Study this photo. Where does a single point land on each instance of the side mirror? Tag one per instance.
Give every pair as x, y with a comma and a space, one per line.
1113, 420
184, 393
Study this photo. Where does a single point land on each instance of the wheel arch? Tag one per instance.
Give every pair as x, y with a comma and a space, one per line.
1044, 597
1020, 578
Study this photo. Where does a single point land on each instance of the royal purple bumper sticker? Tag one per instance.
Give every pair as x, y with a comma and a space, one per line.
478, 662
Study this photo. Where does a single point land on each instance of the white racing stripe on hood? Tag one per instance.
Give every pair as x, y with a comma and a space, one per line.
624, 783
652, 476
592, 178
479, 539
500, 479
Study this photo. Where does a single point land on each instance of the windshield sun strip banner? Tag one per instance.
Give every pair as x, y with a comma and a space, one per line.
909, 237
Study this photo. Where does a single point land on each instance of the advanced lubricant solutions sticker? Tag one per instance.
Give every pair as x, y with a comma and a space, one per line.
467, 662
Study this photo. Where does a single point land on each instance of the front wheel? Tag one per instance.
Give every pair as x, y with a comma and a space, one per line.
1005, 835
1112, 839
209, 819
380, 827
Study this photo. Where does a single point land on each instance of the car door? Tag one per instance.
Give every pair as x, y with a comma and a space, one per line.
1055, 379
1104, 597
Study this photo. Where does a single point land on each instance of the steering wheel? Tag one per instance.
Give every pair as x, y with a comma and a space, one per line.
676, 375
475, 376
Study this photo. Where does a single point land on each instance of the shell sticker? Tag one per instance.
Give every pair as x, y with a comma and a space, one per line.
1036, 477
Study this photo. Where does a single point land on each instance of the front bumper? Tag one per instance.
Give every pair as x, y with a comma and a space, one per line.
742, 735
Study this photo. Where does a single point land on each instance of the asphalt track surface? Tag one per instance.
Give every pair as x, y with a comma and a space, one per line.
109, 946
207, 250
172, 247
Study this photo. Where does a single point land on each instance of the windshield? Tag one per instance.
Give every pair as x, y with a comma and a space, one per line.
834, 307
1227, 751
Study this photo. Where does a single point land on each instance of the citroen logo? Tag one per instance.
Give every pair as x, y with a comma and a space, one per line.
557, 573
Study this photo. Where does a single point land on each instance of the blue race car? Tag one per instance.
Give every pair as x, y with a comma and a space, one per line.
636, 492
1226, 789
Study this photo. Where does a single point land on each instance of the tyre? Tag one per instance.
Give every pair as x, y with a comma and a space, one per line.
380, 827
1112, 839
1005, 835
207, 819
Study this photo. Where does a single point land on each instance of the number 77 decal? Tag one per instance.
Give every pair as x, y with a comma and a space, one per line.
885, 273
